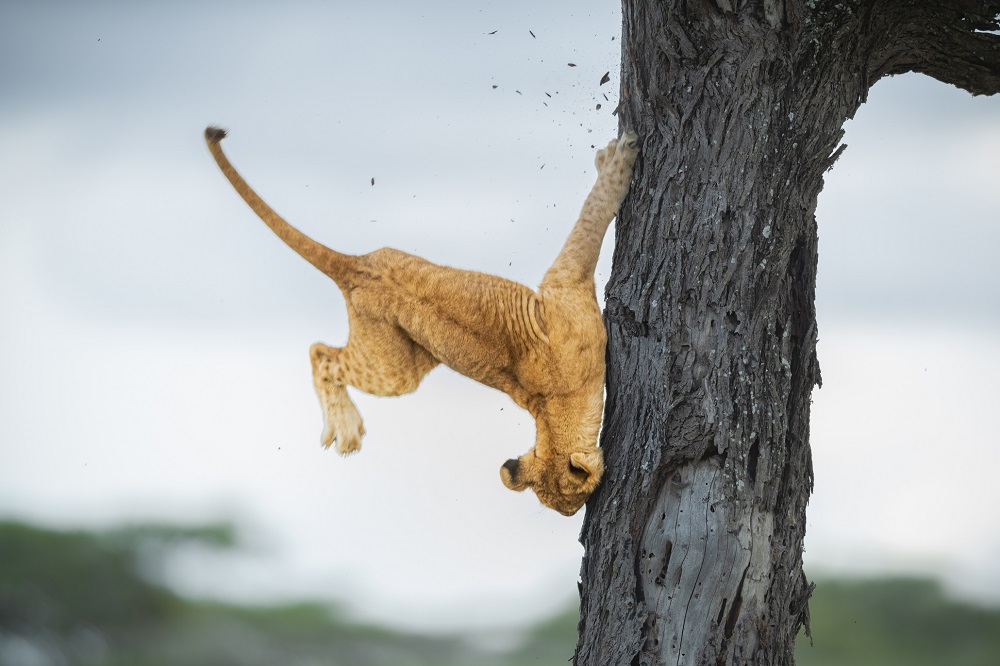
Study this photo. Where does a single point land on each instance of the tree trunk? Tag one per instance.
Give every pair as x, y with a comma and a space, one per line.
693, 542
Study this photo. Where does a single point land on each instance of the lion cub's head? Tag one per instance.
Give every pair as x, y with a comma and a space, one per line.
561, 482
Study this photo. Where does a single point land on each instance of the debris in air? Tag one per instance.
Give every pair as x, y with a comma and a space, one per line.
598, 107
373, 181
492, 33
571, 64
532, 35
605, 78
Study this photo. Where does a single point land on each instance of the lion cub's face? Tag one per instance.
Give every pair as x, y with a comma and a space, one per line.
561, 482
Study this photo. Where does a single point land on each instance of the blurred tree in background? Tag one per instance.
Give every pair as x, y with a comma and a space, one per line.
83, 598
897, 622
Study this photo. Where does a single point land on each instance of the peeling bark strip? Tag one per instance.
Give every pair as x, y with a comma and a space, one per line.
683, 585
693, 543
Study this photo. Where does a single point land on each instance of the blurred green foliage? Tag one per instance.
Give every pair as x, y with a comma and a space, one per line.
80, 598
897, 622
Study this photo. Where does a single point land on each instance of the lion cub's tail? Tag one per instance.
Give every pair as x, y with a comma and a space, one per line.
331, 262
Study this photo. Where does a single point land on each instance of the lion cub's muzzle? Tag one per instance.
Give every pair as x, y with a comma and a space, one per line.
564, 494
508, 474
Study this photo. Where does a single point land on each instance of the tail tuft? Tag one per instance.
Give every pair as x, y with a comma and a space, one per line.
214, 134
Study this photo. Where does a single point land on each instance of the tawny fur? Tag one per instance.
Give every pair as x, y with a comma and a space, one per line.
544, 349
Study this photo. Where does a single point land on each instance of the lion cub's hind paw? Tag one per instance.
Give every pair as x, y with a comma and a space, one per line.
345, 428
349, 444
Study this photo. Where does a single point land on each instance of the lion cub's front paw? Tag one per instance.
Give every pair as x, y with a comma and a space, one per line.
604, 154
614, 167
618, 156
627, 151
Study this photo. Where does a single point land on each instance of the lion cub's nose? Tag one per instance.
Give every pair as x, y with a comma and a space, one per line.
512, 466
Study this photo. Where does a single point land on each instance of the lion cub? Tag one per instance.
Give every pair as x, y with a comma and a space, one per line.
545, 350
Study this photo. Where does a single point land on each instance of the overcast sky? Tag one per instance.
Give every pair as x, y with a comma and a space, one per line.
154, 334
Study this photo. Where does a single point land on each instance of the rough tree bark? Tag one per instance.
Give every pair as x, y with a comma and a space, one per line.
693, 543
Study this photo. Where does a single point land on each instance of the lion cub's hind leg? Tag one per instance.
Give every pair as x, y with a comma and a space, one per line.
379, 359
342, 422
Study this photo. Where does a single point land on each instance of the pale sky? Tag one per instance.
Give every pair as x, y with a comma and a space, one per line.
154, 335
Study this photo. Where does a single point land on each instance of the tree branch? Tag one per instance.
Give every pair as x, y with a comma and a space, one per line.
953, 41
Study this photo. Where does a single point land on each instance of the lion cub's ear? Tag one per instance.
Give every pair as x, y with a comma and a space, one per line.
589, 464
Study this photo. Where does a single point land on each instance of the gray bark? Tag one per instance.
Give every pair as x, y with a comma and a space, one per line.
693, 542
